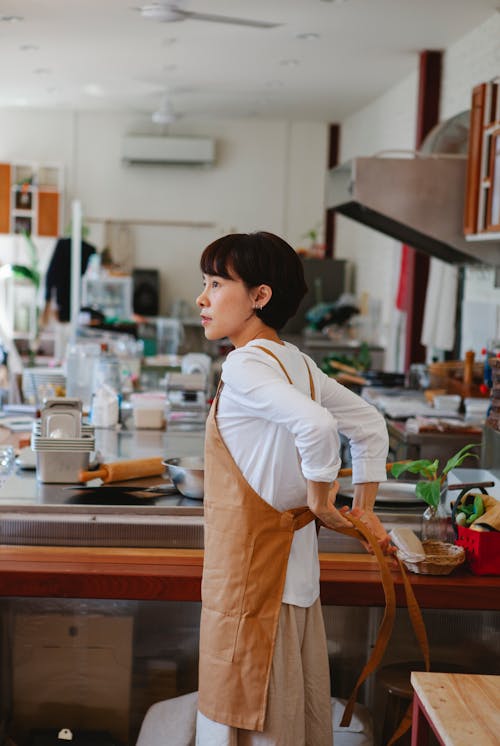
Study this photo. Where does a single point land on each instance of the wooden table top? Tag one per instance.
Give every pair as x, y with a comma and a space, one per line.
175, 574
463, 708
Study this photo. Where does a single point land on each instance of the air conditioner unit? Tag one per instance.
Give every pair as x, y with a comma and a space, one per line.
161, 150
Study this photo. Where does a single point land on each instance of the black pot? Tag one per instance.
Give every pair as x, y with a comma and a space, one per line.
383, 379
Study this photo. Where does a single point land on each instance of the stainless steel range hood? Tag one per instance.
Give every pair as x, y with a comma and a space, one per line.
417, 200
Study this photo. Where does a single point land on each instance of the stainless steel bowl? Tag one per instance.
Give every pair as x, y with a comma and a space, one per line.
187, 475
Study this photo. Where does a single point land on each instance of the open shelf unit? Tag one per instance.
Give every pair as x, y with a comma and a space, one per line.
31, 197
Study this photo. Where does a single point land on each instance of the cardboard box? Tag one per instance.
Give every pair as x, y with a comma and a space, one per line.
70, 671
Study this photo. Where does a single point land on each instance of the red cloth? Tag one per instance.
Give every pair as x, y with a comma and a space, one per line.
403, 288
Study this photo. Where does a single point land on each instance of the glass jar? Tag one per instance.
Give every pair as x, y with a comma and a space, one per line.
436, 524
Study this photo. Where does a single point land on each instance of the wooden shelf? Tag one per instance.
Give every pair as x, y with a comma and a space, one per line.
486, 236
44, 184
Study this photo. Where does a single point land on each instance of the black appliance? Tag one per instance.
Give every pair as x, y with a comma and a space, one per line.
326, 281
146, 292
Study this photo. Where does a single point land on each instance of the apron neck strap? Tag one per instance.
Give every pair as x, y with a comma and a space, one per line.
311, 382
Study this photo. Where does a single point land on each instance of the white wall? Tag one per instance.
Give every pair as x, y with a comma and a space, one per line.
268, 175
389, 123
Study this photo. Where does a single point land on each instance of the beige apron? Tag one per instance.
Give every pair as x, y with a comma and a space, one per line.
247, 544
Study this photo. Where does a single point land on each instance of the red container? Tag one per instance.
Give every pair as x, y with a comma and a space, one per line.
482, 550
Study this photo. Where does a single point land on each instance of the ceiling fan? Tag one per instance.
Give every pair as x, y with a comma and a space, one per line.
169, 12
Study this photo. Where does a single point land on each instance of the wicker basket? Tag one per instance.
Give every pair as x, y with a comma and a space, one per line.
440, 559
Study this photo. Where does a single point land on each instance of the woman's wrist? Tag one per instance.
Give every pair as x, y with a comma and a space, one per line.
365, 495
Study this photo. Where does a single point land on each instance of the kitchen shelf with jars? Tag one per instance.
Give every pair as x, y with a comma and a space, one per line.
31, 198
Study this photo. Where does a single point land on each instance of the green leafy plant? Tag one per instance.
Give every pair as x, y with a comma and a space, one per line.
429, 488
31, 271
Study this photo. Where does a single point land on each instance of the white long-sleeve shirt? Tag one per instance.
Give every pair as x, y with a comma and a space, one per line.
279, 437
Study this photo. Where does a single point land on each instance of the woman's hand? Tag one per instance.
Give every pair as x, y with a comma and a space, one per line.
365, 495
373, 523
321, 498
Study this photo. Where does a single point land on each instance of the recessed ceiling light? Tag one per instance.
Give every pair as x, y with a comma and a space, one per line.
290, 63
308, 36
29, 47
11, 19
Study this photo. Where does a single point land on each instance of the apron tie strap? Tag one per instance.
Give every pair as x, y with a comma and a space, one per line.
296, 518
361, 532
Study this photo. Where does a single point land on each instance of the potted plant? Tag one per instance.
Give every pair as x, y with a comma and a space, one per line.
432, 488
30, 272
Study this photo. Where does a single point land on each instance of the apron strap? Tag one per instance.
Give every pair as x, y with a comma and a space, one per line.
296, 518
311, 382
361, 532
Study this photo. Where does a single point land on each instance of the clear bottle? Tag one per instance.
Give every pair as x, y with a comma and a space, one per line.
80, 364
107, 371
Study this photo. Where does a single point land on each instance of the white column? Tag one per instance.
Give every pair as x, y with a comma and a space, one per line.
76, 263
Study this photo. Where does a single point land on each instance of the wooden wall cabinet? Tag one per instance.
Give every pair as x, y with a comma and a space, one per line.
31, 198
482, 200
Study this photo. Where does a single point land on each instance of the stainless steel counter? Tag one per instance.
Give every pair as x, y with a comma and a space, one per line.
32, 512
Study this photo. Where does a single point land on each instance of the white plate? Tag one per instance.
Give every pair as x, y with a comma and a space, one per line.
391, 491
17, 423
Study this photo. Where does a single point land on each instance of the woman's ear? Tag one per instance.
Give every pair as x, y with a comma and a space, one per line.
262, 296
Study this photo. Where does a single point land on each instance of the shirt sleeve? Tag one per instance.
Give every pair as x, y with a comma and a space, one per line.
362, 424
261, 390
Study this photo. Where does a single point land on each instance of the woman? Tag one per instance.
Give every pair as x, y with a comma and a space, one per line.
271, 458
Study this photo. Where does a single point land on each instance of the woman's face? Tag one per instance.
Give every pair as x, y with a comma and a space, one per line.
227, 309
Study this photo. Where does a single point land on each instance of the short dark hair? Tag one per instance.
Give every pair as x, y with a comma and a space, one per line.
260, 259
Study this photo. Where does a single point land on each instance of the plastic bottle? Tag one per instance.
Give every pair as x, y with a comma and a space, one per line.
105, 410
107, 370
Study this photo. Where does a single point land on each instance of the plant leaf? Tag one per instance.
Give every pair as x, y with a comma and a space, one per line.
429, 492
459, 458
425, 467
29, 274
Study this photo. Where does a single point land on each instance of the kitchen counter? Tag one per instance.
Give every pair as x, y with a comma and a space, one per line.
175, 574
157, 588
109, 547
431, 445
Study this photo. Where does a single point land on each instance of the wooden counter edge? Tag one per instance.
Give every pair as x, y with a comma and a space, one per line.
142, 573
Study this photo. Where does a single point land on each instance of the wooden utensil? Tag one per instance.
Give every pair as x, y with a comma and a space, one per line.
122, 470
348, 373
343, 367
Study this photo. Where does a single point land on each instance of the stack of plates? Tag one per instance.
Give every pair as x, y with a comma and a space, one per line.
62, 459
85, 443
41, 383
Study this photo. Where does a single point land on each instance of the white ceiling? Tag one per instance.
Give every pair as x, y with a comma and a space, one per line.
101, 54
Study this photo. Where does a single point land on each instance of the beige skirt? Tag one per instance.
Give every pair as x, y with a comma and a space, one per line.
299, 709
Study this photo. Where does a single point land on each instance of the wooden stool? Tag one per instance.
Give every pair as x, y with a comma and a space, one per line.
395, 681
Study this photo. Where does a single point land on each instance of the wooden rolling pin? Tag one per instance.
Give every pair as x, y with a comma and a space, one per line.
120, 471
